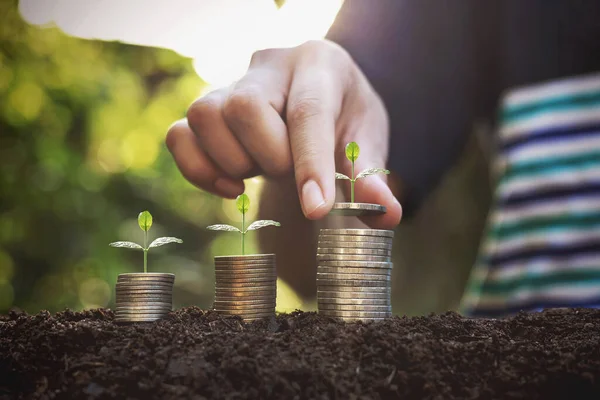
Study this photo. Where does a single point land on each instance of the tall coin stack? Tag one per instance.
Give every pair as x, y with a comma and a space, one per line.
354, 273
246, 286
143, 297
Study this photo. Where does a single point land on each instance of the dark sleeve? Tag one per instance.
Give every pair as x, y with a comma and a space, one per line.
417, 55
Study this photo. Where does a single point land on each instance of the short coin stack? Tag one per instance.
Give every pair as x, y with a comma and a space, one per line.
354, 273
143, 297
246, 286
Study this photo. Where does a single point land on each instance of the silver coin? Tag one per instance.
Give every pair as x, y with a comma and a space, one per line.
246, 310
357, 209
139, 318
369, 302
149, 314
360, 240
153, 285
355, 314
145, 298
235, 285
248, 257
383, 287
246, 262
353, 270
271, 298
147, 276
244, 274
354, 307
359, 283
250, 270
247, 314
244, 303
349, 251
358, 264
358, 232
222, 281
355, 257
253, 291
143, 304
354, 245
260, 287
370, 277
353, 295
144, 308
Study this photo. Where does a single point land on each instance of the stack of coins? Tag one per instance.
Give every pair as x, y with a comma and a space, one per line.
143, 297
246, 286
354, 273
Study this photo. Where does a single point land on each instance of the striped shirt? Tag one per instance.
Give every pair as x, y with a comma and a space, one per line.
541, 248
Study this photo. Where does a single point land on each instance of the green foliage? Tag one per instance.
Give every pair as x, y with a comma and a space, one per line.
242, 203
352, 151
145, 221
82, 130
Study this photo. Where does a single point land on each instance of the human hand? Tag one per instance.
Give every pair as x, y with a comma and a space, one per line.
293, 111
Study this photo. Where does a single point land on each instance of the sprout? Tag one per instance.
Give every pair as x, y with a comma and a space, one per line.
243, 204
145, 222
352, 152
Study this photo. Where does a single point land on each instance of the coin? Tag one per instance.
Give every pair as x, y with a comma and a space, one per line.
250, 262
144, 304
235, 285
255, 291
361, 240
357, 209
354, 245
354, 270
355, 251
358, 283
337, 257
248, 270
243, 279
139, 318
244, 274
355, 314
357, 264
144, 297
353, 295
371, 302
354, 307
248, 257
271, 297
383, 287
154, 286
369, 277
244, 303
146, 276
358, 232
143, 307
247, 314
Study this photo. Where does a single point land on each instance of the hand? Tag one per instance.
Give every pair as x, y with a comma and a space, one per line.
293, 111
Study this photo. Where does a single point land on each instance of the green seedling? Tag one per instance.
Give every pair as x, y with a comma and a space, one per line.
243, 204
352, 152
145, 222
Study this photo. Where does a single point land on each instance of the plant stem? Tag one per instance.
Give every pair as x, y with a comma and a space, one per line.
352, 184
243, 230
145, 251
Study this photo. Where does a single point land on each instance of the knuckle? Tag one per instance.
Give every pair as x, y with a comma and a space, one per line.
279, 167
265, 55
305, 107
203, 109
241, 102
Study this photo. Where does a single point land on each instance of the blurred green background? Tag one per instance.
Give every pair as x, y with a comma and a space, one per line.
82, 152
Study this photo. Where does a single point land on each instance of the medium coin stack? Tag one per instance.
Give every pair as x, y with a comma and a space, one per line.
354, 273
143, 297
246, 286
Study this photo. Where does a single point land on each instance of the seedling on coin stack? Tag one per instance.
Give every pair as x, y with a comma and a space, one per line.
352, 208
144, 297
245, 285
354, 266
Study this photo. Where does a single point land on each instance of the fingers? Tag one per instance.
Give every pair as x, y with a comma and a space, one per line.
311, 114
195, 166
206, 120
374, 189
252, 112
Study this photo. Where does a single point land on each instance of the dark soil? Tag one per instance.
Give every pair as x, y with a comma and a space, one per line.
198, 354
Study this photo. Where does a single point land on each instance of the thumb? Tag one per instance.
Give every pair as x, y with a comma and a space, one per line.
374, 189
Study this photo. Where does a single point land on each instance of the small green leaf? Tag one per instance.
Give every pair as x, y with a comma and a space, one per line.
261, 224
372, 171
127, 245
223, 227
243, 203
145, 221
352, 151
164, 240
341, 176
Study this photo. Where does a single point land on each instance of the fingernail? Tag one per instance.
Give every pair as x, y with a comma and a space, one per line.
228, 187
312, 197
